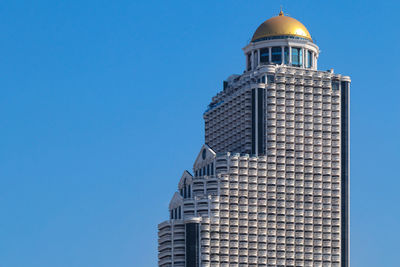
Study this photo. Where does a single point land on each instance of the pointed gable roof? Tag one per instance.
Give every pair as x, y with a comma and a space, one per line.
186, 178
205, 156
176, 201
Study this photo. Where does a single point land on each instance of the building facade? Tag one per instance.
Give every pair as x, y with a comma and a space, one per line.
270, 187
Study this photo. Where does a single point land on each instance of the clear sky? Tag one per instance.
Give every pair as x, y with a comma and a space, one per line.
101, 107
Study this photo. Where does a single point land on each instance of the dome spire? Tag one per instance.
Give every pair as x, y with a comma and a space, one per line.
281, 13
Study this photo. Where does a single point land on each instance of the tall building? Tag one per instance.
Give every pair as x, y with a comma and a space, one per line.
270, 186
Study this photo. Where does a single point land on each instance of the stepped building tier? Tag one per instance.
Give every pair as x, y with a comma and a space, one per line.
271, 185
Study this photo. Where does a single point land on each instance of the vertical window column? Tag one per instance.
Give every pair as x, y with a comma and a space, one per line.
277, 55
258, 57
283, 54
264, 55
295, 56
286, 55
192, 239
309, 62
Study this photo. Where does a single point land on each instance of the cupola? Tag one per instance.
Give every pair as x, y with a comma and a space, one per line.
281, 40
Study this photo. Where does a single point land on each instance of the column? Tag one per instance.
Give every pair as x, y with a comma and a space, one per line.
252, 60
315, 61
305, 58
270, 55
258, 59
290, 55
283, 54
302, 57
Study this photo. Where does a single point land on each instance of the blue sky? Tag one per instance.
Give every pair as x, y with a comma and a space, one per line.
101, 108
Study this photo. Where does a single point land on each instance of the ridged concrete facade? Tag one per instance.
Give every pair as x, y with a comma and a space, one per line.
270, 188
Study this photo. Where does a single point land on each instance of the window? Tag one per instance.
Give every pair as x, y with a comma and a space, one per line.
212, 163
208, 169
270, 78
189, 193
184, 192
277, 55
172, 214
309, 59
181, 191
179, 212
264, 55
192, 244
297, 57
335, 85
249, 61
286, 52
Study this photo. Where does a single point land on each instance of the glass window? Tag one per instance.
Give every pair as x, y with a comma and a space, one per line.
286, 55
179, 212
181, 191
212, 168
189, 191
172, 214
208, 169
264, 55
277, 55
297, 57
309, 59
271, 78
185, 192
335, 85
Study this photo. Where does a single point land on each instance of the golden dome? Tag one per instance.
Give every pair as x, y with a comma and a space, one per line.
281, 26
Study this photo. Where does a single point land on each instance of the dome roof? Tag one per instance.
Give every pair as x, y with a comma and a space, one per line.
281, 26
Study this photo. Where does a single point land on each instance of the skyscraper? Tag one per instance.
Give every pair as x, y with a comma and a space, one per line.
270, 186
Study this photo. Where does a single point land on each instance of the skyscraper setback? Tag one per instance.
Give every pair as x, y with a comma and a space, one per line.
270, 186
